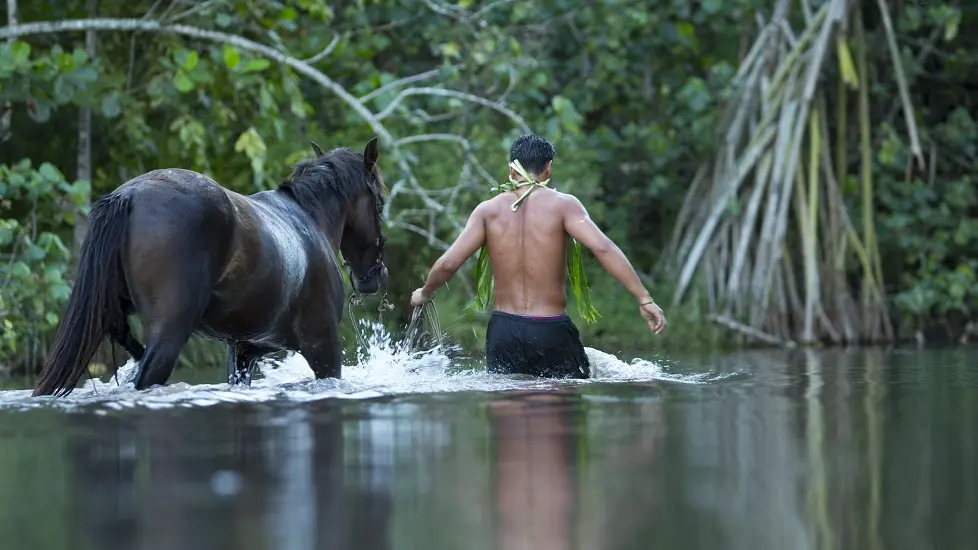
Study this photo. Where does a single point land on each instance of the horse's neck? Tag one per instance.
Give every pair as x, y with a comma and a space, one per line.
328, 223
332, 222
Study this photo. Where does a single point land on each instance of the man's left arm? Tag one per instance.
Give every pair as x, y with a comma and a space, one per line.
471, 239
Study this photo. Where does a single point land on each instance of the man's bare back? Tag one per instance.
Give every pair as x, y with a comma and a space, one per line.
527, 251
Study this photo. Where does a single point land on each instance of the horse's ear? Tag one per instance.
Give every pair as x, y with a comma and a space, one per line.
316, 149
370, 154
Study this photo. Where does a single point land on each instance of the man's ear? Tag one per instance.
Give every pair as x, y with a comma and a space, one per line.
546, 170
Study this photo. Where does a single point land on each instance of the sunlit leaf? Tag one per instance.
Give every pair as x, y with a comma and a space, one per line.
255, 65
21, 52
231, 57
191, 60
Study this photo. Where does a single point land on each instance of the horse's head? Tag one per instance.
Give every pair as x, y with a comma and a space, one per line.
363, 239
344, 193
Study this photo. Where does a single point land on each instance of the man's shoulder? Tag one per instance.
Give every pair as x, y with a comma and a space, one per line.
487, 205
568, 200
563, 195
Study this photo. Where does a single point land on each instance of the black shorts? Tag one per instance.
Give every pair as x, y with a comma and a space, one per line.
548, 347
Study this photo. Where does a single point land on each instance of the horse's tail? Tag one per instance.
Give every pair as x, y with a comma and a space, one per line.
95, 305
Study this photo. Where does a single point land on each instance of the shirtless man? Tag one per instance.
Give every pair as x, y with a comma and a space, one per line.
529, 331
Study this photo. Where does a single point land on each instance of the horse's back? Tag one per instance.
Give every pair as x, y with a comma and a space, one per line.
175, 200
174, 184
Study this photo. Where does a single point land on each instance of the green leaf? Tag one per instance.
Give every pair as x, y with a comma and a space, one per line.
80, 192
191, 60
111, 106
20, 270
253, 146
579, 284
483, 279
64, 60
59, 291
231, 57
223, 20
62, 90
6, 236
51, 318
256, 65
182, 82
21, 52
34, 253
50, 172
52, 275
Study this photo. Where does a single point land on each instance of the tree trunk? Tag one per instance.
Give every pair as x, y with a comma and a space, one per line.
5, 113
84, 166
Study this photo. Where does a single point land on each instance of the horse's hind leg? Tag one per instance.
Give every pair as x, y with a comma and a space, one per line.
172, 302
122, 335
167, 337
242, 360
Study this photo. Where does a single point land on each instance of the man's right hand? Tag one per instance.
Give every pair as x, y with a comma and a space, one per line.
653, 316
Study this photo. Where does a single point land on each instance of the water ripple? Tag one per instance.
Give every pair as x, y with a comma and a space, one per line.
384, 368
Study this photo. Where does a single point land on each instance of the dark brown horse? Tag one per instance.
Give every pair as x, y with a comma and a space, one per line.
259, 272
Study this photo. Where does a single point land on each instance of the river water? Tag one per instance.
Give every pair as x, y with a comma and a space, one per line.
845, 449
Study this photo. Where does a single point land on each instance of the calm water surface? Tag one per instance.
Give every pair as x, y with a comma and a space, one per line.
867, 449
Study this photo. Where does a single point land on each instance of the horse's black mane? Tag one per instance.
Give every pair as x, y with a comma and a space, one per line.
340, 171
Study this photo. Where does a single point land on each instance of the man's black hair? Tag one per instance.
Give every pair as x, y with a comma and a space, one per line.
533, 152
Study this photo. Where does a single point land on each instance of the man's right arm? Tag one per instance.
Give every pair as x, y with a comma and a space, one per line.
578, 224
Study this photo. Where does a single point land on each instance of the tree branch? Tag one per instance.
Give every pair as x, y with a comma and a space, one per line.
494, 105
466, 146
326, 51
751, 331
191, 11
400, 82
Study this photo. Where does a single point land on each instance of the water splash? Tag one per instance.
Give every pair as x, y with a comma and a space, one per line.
384, 366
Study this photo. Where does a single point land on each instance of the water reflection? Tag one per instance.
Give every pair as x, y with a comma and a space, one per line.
535, 438
865, 449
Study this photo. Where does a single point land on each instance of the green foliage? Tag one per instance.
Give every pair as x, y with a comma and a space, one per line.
46, 80
930, 227
35, 205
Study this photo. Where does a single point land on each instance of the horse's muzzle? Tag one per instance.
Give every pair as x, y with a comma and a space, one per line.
372, 282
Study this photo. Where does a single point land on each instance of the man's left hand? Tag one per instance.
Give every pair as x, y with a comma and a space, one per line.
418, 299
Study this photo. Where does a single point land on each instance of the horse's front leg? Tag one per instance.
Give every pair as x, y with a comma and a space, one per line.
232, 362
323, 352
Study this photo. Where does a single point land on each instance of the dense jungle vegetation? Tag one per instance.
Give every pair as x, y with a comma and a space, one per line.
778, 170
